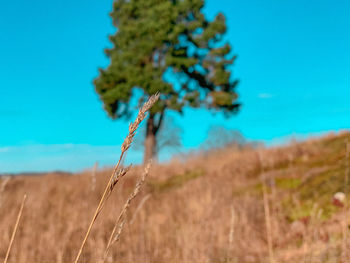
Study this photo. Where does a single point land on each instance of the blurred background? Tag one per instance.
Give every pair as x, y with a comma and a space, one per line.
292, 64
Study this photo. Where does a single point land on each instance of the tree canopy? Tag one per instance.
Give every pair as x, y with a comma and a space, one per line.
167, 46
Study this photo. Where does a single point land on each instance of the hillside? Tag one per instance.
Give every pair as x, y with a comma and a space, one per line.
228, 205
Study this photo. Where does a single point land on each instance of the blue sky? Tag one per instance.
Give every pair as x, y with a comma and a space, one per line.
293, 65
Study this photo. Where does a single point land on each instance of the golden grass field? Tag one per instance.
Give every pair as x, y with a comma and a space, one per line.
227, 205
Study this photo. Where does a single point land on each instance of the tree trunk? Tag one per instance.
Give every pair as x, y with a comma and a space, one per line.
150, 141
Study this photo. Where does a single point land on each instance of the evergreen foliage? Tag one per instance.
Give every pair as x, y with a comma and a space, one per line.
167, 46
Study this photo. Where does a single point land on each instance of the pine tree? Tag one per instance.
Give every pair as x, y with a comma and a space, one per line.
166, 46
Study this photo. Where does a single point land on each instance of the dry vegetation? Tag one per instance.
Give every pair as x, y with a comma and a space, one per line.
229, 205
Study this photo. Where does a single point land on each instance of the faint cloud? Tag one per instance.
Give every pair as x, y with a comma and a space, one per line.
4, 149
265, 95
67, 157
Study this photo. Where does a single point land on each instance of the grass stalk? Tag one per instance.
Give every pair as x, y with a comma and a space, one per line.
93, 177
114, 237
266, 212
347, 163
115, 176
4, 182
139, 207
231, 235
15, 229
268, 223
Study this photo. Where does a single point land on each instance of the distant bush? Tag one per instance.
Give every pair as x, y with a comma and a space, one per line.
220, 137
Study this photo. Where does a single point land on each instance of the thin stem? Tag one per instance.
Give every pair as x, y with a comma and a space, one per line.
266, 211
347, 163
114, 237
268, 222
112, 180
98, 209
15, 229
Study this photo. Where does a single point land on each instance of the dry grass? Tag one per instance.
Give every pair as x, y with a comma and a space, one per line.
117, 171
119, 224
209, 208
15, 229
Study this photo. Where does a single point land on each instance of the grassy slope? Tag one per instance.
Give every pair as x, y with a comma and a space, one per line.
313, 178
207, 209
